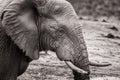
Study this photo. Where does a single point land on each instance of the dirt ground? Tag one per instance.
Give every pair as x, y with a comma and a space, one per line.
103, 42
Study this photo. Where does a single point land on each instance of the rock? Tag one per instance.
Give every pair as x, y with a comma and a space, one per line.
110, 36
81, 18
114, 28
104, 20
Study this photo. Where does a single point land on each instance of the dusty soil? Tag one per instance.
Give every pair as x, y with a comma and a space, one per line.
103, 42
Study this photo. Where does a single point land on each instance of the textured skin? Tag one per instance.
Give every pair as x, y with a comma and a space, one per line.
58, 28
20, 24
81, 58
13, 61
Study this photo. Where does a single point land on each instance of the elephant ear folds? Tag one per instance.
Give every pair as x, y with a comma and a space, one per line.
23, 31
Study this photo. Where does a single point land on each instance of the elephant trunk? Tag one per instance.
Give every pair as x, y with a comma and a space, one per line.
80, 56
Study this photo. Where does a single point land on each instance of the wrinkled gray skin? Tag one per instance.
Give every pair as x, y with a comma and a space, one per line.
40, 25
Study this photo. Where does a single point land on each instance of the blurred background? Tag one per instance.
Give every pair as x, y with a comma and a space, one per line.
97, 7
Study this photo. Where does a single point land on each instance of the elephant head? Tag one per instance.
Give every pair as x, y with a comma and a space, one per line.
48, 25
61, 32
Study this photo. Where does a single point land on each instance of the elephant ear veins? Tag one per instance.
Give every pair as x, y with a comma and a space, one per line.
20, 26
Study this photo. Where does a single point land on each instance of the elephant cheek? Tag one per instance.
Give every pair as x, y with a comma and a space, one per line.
64, 53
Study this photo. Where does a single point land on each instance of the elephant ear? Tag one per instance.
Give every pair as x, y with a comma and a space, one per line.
19, 23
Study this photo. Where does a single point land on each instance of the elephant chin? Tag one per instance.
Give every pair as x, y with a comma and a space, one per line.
75, 68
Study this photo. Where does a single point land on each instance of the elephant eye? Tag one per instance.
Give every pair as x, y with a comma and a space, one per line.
61, 30
58, 10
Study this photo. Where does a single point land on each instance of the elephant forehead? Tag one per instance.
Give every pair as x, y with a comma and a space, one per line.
59, 3
52, 4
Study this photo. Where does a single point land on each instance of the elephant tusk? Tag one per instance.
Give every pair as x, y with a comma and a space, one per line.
75, 68
99, 64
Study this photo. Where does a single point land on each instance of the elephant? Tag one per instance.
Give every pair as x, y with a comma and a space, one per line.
41, 25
